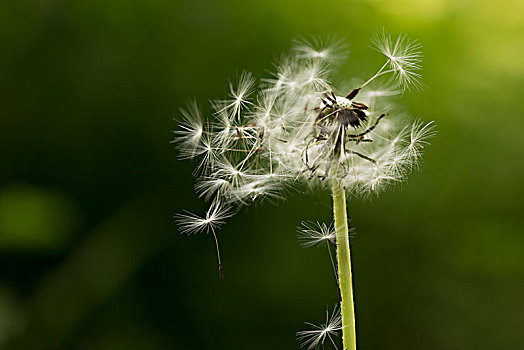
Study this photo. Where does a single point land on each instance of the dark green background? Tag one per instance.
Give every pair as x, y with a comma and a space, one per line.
90, 257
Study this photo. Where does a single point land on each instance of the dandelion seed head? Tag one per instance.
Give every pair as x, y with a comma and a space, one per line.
294, 130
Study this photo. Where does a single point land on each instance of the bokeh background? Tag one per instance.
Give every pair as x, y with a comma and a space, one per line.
90, 257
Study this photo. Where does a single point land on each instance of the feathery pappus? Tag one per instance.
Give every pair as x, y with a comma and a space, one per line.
315, 337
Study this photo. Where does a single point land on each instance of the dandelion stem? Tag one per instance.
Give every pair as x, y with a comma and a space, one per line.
347, 308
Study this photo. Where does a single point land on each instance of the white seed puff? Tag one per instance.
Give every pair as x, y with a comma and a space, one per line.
254, 146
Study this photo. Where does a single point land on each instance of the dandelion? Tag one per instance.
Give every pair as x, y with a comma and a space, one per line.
216, 215
316, 337
239, 96
332, 50
191, 130
404, 58
312, 234
298, 131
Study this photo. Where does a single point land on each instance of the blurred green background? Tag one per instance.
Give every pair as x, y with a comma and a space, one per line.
91, 258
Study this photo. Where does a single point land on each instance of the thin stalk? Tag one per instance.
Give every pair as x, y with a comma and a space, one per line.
347, 308
334, 268
218, 254
378, 74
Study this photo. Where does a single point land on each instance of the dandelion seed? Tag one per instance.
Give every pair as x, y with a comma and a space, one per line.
332, 50
315, 338
239, 96
191, 130
209, 186
315, 233
208, 152
419, 137
216, 216
404, 57
259, 186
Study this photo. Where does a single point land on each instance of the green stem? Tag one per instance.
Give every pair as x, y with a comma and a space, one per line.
347, 308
